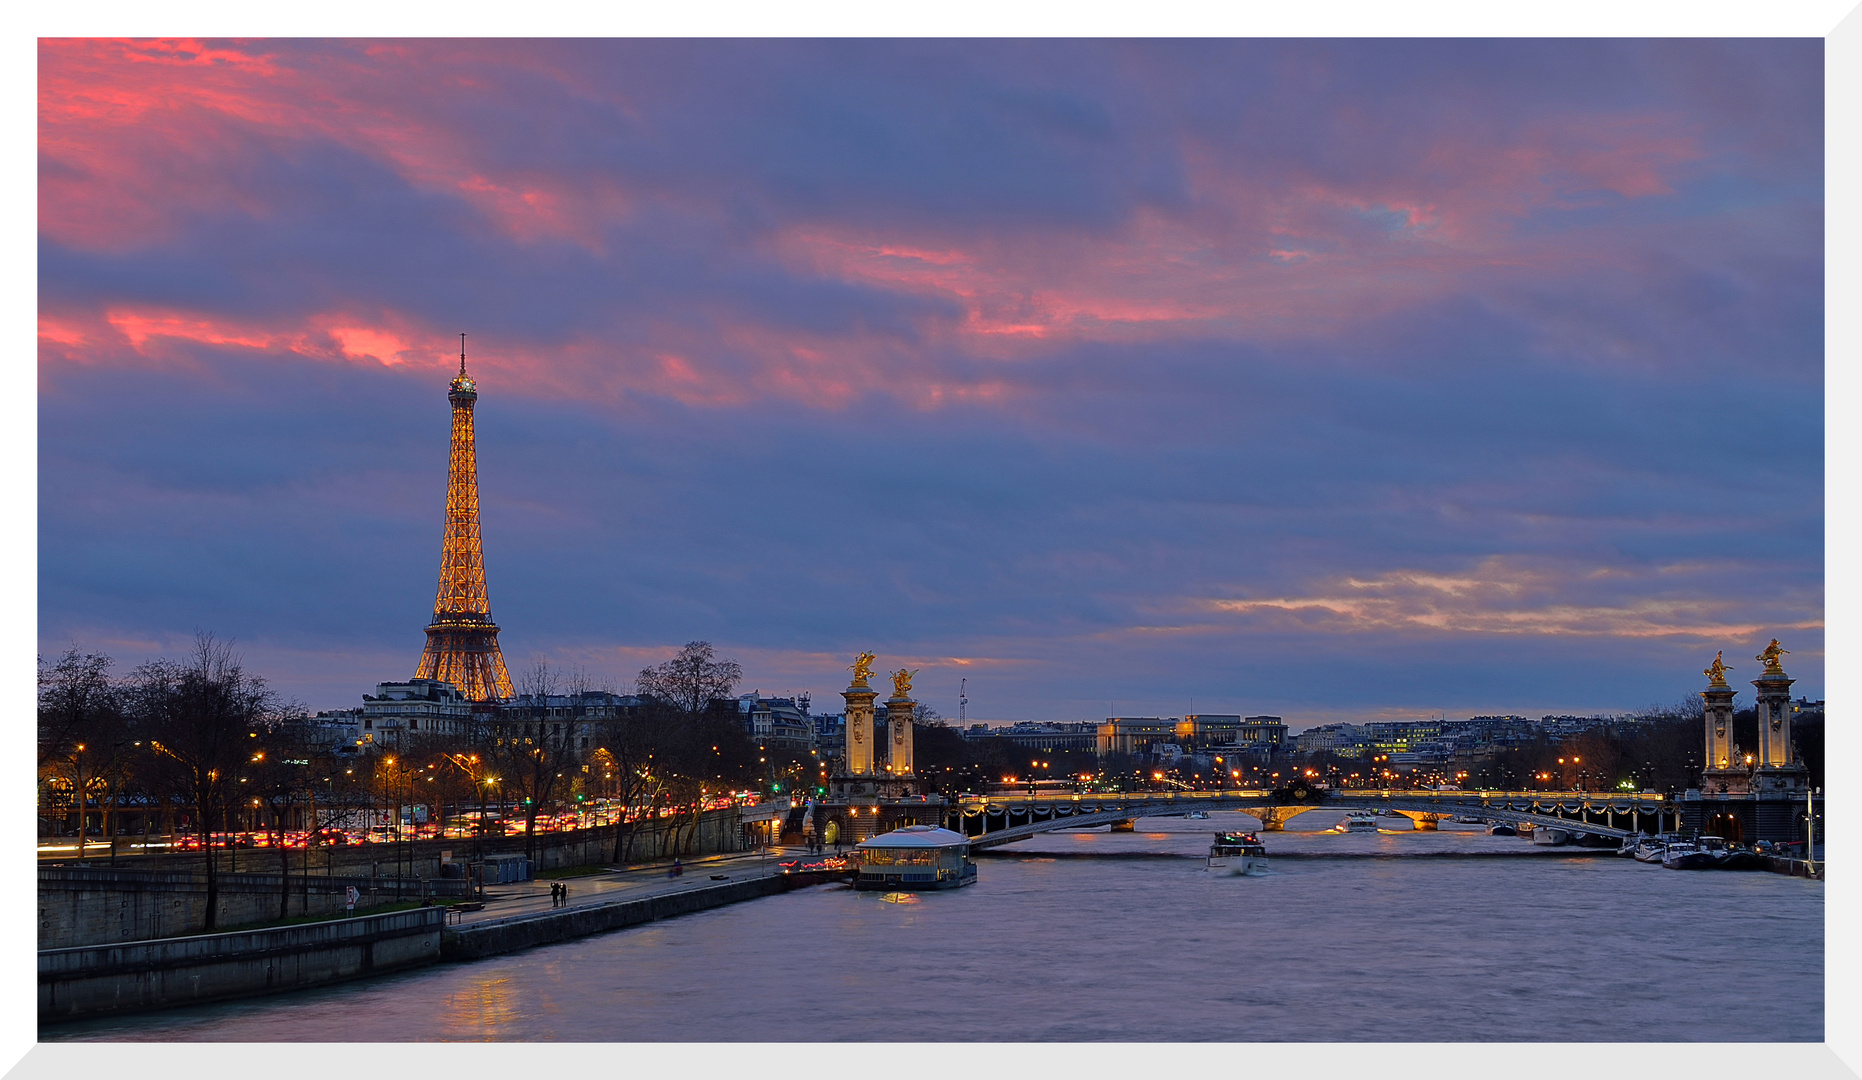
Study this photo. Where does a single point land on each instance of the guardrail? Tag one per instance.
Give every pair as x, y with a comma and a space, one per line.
1327, 795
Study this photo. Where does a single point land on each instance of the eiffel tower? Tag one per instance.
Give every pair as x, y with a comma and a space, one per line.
462, 641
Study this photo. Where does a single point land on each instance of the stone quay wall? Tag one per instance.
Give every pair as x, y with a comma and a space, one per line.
95, 906
716, 832
95, 901
101, 979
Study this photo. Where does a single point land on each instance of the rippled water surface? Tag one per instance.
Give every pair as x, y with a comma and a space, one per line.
1088, 936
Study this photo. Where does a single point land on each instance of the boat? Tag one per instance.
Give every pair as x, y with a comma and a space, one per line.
1462, 823
1502, 828
1550, 836
1740, 858
1198, 815
1237, 854
914, 857
1649, 849
1357, 821
1597, 840
1688, 855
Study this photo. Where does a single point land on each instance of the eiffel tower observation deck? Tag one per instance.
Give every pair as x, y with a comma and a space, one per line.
462, 641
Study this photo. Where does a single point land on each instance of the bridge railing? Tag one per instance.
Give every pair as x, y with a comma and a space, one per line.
1333, 796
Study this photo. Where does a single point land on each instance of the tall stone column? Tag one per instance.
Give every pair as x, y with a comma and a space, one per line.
899, 720
859, 698
1778, 772
1721, 774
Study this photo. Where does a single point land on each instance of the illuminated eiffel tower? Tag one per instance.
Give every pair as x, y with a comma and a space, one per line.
462, 641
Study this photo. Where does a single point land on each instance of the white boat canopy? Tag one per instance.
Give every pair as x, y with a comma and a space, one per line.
915, 836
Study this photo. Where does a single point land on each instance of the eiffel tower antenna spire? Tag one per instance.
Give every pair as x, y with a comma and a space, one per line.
462, 641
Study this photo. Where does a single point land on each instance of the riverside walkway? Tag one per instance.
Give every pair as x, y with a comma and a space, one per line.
524, 915
623, 883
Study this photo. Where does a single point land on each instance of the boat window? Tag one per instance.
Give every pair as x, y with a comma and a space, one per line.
899, 856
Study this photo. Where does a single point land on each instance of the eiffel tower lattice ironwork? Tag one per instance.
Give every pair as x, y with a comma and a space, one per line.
462, 641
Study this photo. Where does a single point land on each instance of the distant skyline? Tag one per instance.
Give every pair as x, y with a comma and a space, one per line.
1333, 380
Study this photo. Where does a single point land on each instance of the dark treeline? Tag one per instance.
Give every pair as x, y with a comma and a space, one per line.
1659, 748
204, 753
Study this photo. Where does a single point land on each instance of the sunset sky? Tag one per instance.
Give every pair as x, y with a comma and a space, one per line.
1336, 380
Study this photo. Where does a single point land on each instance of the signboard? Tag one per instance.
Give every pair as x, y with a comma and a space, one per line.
351, 895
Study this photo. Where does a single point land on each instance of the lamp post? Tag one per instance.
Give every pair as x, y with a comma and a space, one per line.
1810, 832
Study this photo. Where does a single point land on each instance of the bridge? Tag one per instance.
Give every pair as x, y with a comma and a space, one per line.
1003, 819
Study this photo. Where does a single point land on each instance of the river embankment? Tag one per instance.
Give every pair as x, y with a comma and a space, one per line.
121, 977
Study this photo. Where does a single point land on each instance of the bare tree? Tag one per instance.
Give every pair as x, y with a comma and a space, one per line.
75, 696
202, 717
532, 750
279, 779
691, 680
631, 743
84, 740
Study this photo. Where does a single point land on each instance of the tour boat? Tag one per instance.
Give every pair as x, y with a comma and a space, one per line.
1357, 821
1237, 854
914, 857
1550, 836
1687, 855
1649, 849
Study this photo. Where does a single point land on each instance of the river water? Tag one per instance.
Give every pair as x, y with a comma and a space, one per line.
1085, 936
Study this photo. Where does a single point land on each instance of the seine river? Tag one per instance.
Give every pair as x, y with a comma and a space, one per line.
1100, 936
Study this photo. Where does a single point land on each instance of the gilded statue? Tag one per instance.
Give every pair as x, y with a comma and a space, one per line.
902, 683
862, 668
1770, 656
1717, 673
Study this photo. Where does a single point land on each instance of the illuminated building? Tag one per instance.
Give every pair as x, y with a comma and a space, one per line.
778, 723
397, 713
462, 641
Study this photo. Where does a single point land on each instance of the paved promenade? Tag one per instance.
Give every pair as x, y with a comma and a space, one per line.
627, 883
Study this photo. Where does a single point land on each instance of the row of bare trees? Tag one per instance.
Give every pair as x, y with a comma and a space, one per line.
203, 747
174, 741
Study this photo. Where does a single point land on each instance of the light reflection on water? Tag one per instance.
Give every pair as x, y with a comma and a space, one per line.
1087, 936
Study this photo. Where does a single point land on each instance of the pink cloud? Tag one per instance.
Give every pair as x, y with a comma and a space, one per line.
137, 123
138, 127
1509, 597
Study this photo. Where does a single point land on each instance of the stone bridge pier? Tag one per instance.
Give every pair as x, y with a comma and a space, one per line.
1275, 818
